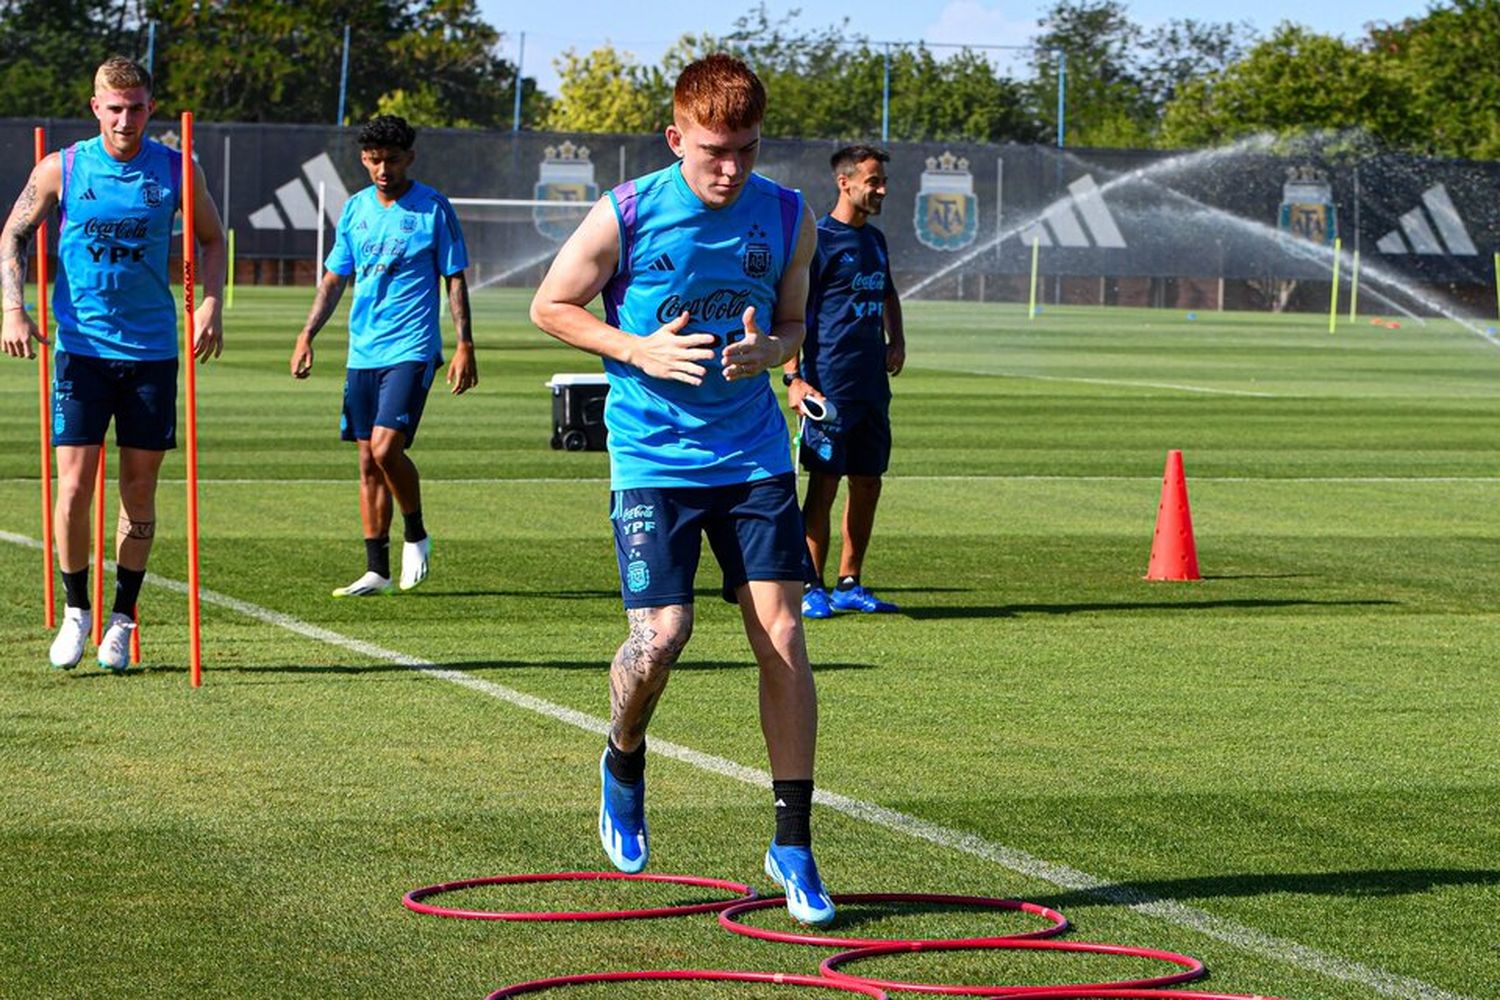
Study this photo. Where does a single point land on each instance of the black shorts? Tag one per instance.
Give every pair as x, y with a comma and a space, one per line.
391, 397
140, 396
857, 442
754, 529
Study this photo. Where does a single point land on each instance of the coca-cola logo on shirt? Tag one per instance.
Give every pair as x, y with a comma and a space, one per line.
721, 303
116, 229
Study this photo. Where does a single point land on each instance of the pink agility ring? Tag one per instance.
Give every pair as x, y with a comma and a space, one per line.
1193, 968
727, 918
778, 978
413, 900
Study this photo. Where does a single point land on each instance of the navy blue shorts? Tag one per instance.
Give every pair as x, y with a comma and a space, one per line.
385, 397
855, 443
754, 529
140, 396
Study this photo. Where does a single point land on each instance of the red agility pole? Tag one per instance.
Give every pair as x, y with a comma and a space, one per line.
135, 635
189, 258
44, 406
100, 477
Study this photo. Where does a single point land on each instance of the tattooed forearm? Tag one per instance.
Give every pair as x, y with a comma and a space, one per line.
19, 228
325, 301
458, 305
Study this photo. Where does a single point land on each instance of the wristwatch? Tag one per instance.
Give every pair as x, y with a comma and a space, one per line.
787, 378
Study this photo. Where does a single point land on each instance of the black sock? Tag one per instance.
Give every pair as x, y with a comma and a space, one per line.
848, 582
793, 812
76, 587
378, 556
415, 530
813, 585
628, 768
127, 590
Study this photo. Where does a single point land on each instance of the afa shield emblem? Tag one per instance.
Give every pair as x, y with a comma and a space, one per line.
947, 212
566, 175
1307, 210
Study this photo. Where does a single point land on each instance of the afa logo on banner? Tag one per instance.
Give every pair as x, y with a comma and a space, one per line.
1307, 209
947, 212
566, 175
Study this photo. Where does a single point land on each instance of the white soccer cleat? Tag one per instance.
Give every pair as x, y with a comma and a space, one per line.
414, 562
67, 648
114, 648
372, 584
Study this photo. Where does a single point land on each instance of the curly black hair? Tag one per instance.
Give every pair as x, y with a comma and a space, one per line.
387, 132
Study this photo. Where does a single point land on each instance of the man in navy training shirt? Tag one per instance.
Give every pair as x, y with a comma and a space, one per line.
394, 238
703, 271
855, 341
116, 316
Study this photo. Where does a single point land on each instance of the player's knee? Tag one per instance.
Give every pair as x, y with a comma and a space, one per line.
387, 450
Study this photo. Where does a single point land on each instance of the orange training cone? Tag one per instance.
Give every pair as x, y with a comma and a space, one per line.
1173, 554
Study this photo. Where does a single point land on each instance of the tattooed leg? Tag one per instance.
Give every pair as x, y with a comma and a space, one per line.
641, 666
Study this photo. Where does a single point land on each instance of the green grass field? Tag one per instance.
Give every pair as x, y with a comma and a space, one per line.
1289, 769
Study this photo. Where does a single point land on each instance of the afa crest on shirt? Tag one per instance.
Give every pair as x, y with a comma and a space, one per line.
755, 258
566, 175
408, 223
151, 193
947, 212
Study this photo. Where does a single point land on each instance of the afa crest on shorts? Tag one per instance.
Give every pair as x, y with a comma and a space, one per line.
1307, 209
947, 212
566, 174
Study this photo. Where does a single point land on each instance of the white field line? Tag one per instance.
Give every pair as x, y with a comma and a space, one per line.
1237, 935
1169, 386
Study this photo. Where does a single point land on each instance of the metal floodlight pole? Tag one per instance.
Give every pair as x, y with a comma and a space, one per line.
150, 44
515, 115
885, 101
343, 77
1062, 77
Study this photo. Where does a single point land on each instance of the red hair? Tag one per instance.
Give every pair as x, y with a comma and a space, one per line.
719, 92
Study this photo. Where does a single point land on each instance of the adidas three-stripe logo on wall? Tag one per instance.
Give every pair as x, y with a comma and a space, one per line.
297, 199
1060, 221
662, 263
1419, 235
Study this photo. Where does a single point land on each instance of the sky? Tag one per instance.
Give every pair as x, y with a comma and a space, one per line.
550, 29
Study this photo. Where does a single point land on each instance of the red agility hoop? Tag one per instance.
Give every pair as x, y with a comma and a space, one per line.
1193, 968
413, 900
1074, 993
728, 919
706, 975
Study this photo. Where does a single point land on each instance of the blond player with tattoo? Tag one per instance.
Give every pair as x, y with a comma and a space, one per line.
116, 333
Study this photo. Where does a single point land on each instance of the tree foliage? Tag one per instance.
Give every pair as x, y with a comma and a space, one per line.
265, 60
606, 91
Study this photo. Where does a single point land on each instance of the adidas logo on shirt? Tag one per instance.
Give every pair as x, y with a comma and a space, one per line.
88, 195
662, 263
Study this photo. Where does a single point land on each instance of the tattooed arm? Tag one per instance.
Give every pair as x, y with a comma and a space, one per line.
463, 373
37, 199
330, 290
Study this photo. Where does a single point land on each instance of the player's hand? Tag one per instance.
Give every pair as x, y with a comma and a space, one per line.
895, 356
671, 354
302, 357
751, 354
18, 332
208, 331
798, 391
463, 373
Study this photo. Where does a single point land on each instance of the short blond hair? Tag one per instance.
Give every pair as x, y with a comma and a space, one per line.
119, 73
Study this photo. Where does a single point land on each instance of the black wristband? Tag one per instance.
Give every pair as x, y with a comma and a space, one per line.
787, 378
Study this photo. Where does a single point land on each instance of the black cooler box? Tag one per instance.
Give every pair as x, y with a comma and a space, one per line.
578, 411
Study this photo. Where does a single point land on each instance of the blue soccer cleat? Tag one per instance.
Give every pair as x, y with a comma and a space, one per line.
815, 604
794, 869
859, 599
622, 821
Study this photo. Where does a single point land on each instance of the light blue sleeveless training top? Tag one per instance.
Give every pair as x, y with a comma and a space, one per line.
678, 255
113, 297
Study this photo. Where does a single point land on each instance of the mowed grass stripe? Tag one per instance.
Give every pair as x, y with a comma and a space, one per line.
1065, 877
